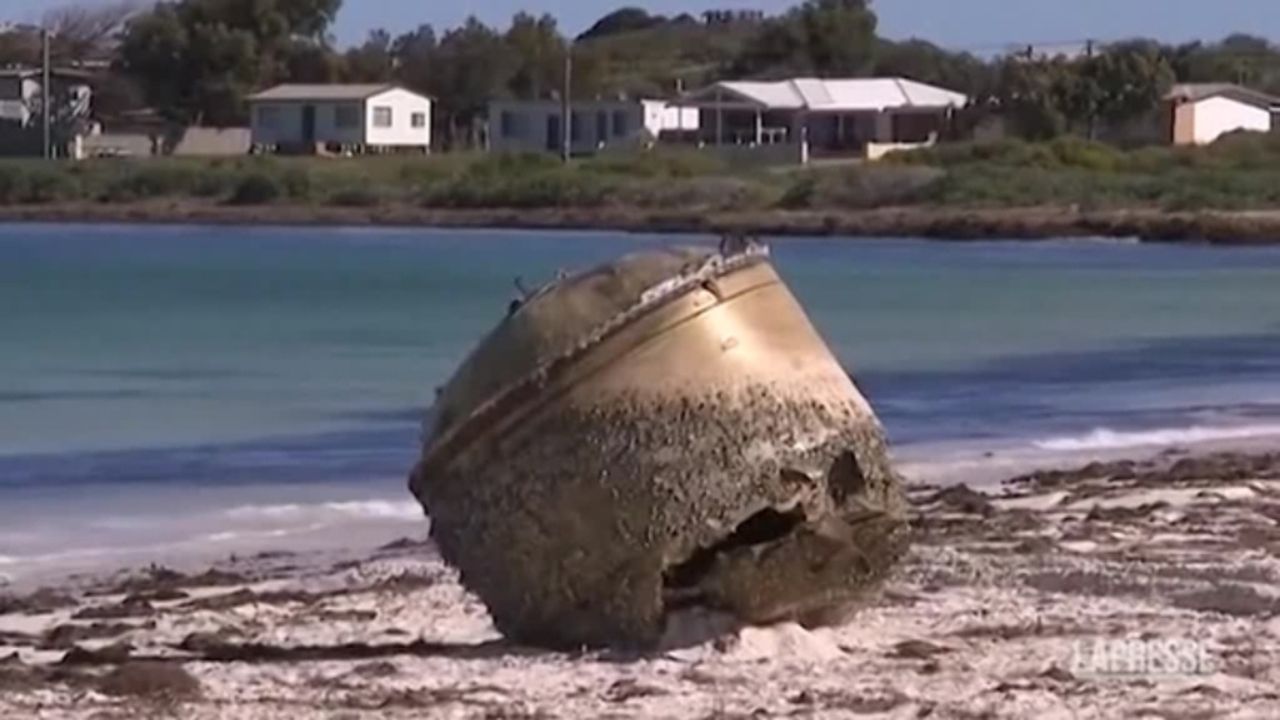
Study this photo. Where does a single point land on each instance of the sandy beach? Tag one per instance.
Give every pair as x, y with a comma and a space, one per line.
1146, 589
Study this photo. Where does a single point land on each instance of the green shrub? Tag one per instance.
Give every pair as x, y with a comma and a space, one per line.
355, 197
702, 193
296, 183
1074, 152
140, 181
535, 187
257, 188
657, 163
800, 194
12, 182
46, 185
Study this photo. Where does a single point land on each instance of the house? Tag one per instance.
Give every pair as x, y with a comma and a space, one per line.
340, 119
1198, 114
535, 126
22, 105
862, 117
732, 17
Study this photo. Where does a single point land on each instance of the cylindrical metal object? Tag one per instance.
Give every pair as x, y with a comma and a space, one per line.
664, 432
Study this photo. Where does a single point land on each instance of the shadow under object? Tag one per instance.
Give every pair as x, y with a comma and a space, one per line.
665, 433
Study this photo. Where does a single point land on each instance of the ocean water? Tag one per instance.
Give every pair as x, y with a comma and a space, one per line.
184, 388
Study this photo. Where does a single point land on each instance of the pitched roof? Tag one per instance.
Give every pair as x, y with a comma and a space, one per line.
321, 92
852, 94
1195, 92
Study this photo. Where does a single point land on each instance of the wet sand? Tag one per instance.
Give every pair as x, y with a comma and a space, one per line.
998, 612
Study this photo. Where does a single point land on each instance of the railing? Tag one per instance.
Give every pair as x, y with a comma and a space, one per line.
14, 110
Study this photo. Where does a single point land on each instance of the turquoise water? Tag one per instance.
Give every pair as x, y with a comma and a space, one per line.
278, 375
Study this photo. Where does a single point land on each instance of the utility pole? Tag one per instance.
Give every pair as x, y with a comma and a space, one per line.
46, 95
566, 106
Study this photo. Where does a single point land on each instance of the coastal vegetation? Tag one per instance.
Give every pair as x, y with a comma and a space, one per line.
1240, 172
195, 61
1064, 113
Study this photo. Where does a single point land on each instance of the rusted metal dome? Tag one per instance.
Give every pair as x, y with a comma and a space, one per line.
664, 432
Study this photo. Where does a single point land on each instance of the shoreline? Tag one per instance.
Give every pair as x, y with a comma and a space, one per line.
1225, 228
1007, 606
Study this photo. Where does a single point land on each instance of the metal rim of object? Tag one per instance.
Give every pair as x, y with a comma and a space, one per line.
520, 392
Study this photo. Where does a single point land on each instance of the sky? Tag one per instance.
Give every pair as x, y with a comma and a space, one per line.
978, 25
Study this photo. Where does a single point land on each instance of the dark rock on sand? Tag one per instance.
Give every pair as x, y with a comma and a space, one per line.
152, 680
109, 655
64, 637
964, 499
159, 583
129, 608
663, 433
1234, 599
40, 602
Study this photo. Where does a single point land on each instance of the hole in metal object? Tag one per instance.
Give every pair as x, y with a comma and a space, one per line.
680, 582
845, 479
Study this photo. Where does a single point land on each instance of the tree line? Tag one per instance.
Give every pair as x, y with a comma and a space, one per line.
195, 61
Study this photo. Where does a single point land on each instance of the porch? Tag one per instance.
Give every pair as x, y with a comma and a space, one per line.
859, 134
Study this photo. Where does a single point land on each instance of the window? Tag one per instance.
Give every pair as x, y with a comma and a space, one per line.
346, 116
382, 117
620, 123
418, 120
269, 117
602, 126
507, 124
575, 126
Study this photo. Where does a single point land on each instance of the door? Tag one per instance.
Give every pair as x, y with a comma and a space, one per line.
309, 124
554, 138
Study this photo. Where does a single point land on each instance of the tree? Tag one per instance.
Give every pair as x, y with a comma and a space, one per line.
1034, 96
827, 38
623, 20
1125, 82
196, 60
414, 54
309, 62
923, 61
472, 64
372, 62
537, 53
87, 32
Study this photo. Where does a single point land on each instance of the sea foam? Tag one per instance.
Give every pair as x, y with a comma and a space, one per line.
1108, 439
358, 509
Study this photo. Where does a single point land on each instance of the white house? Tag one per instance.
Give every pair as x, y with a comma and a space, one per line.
22, 107
535, 126
859, 116
340, 118
1202, 113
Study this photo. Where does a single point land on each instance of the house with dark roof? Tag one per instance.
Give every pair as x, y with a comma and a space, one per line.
340, 119
1200, 113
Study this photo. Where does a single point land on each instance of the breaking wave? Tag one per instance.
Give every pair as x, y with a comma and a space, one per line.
370, 509
1108, 439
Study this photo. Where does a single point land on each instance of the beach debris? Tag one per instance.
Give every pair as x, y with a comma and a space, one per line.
65, 636
40, 602
152, 679
112, 654
663, 434
128, 608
